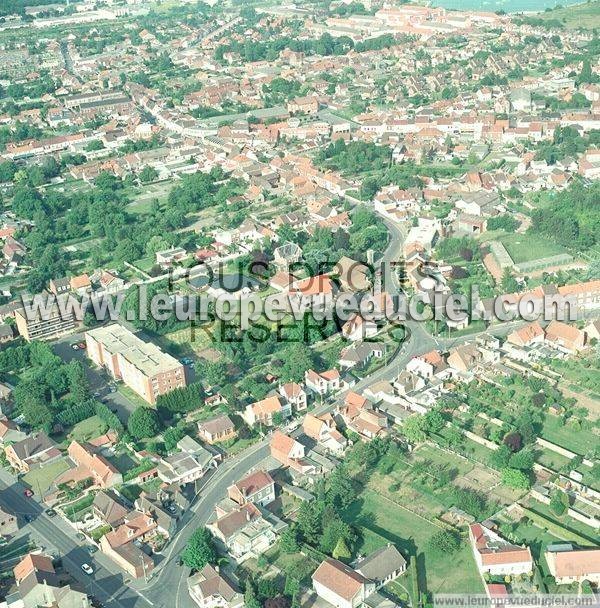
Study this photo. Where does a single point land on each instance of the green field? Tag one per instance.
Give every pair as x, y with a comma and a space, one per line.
526, 248
381, 521
568, 435
88, 429
585, 15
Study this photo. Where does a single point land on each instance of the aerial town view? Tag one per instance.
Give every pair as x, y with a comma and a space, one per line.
299, 303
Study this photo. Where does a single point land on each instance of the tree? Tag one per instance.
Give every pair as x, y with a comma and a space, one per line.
433, 422
309, 521
513, 441
500, 458
298, 358
78, 382
516, 479
341, 551
559, 502
200, 550
444, 542
341, 492
148, 174
172, 436
333, 529
143, 423
509, 283
250, 599
413, 428
288, 541
522, 460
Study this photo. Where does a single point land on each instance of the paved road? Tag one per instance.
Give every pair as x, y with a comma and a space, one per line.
108, 584
167, 585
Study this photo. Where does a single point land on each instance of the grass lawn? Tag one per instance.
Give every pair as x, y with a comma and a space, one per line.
550, 459
526, 248
586, 16
41, 479
88, 429
132, 396
381, 521
569, 436
566, 521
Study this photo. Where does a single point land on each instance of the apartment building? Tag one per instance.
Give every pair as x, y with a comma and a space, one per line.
56, 320
142, 366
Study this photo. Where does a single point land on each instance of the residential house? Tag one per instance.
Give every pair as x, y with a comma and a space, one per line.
149, 504
360, 353
7, 333
60, 286
340, 585
94, 465
210, 589
245, 532
464, 358
303, 105
120, 547
218, 429
38, 585
324, 431
257, 488
107, 508
428, 365
570, 565
290, 453
533, 333
10, 432
497, 556
190, 463
295, 395
592, 330
322, 383
564, 337
263, 411
32, 452
170, 256
358, 328
382, 566
81, 284
352, 275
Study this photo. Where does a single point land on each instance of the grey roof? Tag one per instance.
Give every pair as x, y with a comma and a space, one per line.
381, 563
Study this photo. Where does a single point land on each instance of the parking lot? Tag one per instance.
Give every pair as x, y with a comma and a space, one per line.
101, 384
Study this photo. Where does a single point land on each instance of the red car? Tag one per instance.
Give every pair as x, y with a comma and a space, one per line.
81, 345
28, 493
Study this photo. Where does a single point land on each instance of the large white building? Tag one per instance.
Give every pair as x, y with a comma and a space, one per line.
142, 366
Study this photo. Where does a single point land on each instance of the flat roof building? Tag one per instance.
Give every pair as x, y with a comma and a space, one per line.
142, 366
47, 322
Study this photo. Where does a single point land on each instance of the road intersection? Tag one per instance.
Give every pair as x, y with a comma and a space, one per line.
166, 586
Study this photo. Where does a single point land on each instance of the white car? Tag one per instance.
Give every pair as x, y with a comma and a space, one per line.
87, 568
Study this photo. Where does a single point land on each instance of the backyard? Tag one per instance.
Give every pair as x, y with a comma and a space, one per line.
381, 521
42, 478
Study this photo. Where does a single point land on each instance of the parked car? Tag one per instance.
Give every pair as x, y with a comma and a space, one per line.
82, 345
28, 492
75, 346
50, 512
87, 568
91, 549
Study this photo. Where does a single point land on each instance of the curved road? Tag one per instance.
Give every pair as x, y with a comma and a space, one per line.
167, 585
